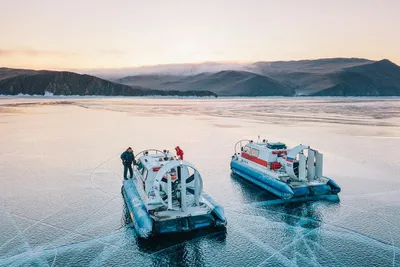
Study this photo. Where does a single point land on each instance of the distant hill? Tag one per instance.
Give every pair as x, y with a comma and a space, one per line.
156, 81
322, 77
69, 83
8, 73
223, 83
381, 78
307, 76
323, 65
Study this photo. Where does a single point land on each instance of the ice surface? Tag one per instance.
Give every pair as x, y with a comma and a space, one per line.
60, 181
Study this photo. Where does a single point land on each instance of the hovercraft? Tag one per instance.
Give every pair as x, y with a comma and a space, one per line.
286, 173
166, 195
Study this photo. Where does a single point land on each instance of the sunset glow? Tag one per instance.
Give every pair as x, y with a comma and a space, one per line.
113, 34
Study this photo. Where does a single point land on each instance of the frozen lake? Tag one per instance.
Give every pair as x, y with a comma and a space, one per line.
60, 181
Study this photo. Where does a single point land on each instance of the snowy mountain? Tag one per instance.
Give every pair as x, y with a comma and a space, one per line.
335, 76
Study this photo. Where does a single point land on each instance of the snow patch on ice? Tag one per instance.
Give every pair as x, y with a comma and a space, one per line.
46, 93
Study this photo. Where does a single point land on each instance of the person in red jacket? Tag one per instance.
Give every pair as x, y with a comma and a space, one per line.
179, 152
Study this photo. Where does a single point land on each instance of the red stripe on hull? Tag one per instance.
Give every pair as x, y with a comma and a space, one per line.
255, 159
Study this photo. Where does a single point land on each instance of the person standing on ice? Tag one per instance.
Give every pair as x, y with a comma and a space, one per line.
128, 158
179, 152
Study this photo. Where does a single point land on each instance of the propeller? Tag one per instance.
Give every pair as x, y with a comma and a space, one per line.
184, 176
190, 179
190, 190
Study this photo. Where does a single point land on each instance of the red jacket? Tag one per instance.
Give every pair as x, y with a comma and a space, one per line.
179, 152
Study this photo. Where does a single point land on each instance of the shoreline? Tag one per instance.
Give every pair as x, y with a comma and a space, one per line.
184, 97
13, 101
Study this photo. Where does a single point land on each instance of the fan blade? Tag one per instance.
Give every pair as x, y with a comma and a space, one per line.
190, 190
179, 173
190, 179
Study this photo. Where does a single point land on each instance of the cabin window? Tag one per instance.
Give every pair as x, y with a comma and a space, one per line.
255, 152
247, 150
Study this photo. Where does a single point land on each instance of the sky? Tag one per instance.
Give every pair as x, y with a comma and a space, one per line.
81, 34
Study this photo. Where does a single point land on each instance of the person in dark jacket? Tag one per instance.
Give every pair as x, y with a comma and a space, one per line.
127, 159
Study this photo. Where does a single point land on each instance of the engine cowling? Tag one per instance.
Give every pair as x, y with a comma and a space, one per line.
303, 163
188, 182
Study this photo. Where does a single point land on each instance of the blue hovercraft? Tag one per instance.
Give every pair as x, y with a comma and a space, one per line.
166, 195
286, 173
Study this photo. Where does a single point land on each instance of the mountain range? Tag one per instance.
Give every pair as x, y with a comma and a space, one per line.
31, 82
320, 77
224, 83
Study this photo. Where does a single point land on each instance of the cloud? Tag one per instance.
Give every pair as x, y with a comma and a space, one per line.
32, 53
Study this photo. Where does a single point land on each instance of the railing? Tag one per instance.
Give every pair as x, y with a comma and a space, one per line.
239, 143
149, 150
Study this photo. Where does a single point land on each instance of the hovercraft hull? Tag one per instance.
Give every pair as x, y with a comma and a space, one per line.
146, 226
141, 220
281, 189
217, 210
184, 224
